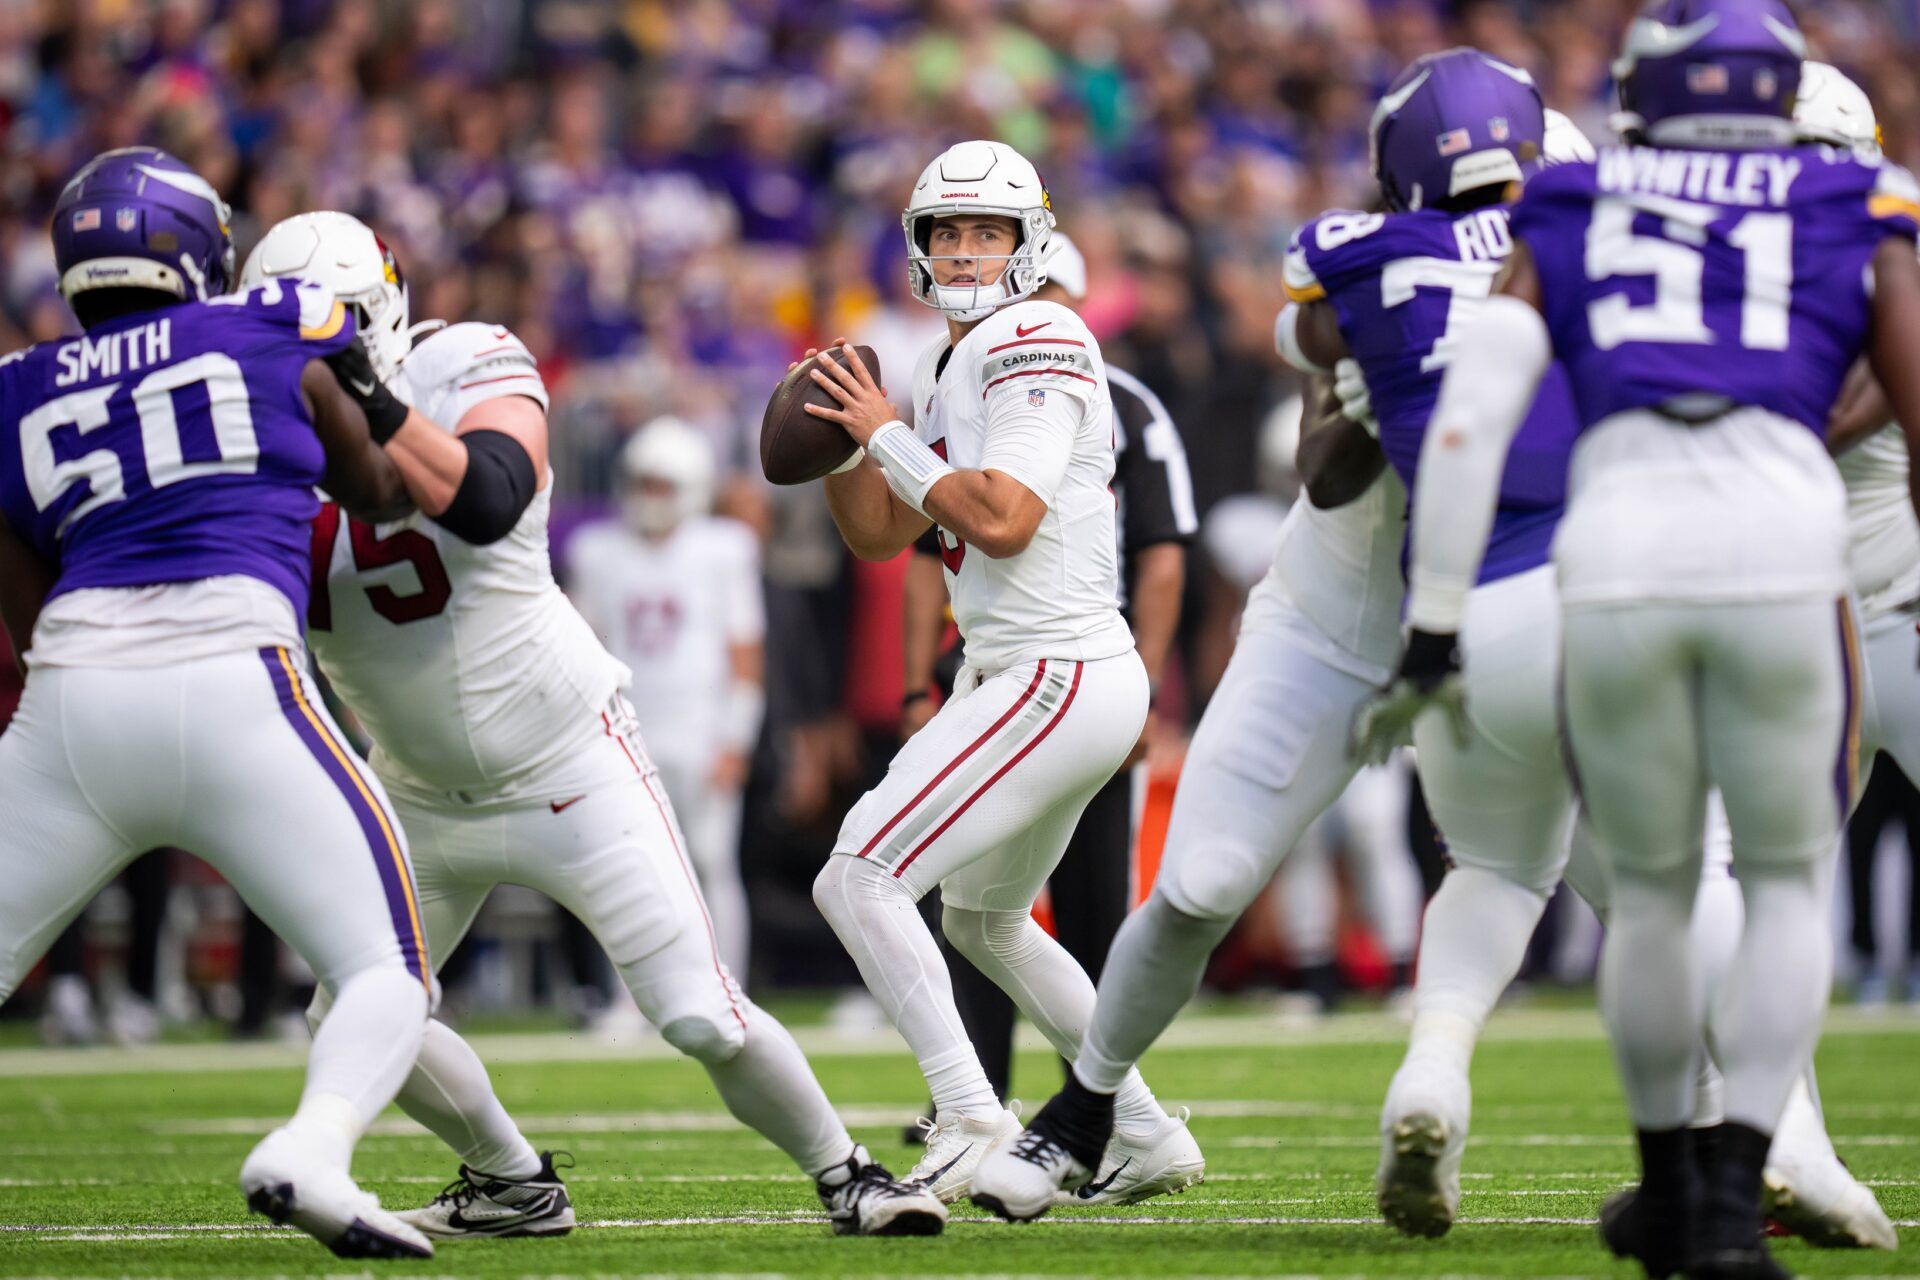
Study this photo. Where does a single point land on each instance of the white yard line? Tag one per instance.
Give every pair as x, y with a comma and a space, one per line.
1206, 1031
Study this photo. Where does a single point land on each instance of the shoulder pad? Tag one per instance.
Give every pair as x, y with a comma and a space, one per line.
1034, 339
468, 358
1895, 196
1332, 245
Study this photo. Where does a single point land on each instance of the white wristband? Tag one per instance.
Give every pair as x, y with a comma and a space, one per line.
740, 714
853, 460
910, 466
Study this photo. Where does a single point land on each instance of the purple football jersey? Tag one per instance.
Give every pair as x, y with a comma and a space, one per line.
1695, 281
173, 445
1403, 286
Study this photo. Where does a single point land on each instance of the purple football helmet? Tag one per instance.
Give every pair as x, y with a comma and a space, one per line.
137, 218
1712, 74
1453, 122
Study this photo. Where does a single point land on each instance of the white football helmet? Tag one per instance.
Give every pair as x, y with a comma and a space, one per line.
979, 177
1833, 109
1564, 143
669, 451
341, 252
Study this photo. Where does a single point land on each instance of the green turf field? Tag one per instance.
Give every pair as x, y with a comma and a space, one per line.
128, 1169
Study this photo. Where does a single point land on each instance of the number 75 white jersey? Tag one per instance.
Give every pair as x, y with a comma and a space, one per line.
467, 665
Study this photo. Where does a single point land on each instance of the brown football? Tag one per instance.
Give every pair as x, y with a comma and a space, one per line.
796, 446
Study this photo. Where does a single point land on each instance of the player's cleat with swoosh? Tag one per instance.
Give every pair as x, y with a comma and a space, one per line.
954, 1150
480, 1204
1139, 1166
863, 1199
286, 1180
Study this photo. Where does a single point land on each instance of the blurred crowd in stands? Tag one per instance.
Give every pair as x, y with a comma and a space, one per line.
669, 199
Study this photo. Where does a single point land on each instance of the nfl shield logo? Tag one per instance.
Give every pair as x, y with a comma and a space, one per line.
1038, 399
1453, 142
86, 220
1499, 128
125, 219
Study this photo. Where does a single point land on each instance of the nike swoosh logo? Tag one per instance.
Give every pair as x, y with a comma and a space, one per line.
561, 806
937, 1174
521, 1215
1018, 332
363, 388
1093, 1189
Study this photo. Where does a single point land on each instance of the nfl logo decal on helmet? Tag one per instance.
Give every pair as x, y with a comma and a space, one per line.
1455, 122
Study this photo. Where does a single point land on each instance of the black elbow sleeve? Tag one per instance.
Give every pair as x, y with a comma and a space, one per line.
495, 491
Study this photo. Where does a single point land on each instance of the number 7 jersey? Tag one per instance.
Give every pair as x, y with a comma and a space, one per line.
1694, 281
470, 669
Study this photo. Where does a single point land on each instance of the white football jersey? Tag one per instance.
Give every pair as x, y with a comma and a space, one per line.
1058, 597
1883, 549
470, 669
669, 608
1340, 571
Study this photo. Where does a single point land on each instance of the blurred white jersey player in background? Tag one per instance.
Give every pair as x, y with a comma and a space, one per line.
512, 757
674, 592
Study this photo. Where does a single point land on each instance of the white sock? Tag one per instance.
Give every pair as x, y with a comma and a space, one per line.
1050, 987
1473, 939
879, 923
449, 1092
1767, 1017
1648, 994
769, 1087
360, 1054
1800, 1141
1718, 917
1152, 971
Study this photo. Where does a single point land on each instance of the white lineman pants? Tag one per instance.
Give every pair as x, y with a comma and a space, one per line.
233, 758
1269, 757
1503, 801
1891, 721
1761, 699
616, 859
983, 800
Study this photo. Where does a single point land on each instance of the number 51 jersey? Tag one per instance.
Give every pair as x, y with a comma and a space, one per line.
474, 675
173, 445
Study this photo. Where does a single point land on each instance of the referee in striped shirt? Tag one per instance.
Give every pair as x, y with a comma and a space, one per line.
1091, 889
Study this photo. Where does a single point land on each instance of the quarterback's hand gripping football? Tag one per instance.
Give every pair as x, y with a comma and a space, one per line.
864, 407
353, 370
1429, 676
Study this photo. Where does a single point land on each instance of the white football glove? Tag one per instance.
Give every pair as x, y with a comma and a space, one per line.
1350, 387
1429, 677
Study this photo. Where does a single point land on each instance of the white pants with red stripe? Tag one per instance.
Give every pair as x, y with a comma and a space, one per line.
983, 800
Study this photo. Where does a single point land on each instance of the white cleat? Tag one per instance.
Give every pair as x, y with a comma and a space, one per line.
291, 1186
1025, 1174
480, 1204
1140, 1166
1423, 1133
1828, 1206
955, 1149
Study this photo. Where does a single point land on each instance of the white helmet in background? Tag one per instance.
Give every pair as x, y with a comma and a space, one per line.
979, 178
1833, 109
1067, 268
670, 453
1564, 143
341, 252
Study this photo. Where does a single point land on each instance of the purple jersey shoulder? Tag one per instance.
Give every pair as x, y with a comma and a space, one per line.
174, 445
1694, 278
1401, 286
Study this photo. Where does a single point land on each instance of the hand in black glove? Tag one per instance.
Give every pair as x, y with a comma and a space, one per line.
353, 370
1429, 676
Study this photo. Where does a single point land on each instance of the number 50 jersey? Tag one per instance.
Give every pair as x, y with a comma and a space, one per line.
173, 445
475, 677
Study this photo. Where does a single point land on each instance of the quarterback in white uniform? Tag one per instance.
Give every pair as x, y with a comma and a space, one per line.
511, 757
675, 594
1010, 457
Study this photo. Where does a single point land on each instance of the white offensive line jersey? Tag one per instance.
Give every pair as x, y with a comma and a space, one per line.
472, 672
1883, 543
1339, 570
1059, 597
670, 609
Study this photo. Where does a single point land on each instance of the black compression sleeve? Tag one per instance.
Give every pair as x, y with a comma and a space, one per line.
495, 491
